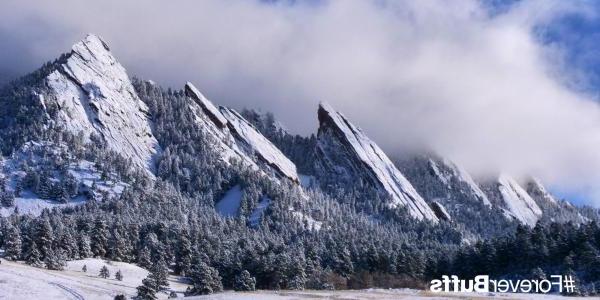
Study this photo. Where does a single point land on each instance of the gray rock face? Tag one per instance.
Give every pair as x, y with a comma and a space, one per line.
237, 139
506, 194
95, 96
345, 155
440, 211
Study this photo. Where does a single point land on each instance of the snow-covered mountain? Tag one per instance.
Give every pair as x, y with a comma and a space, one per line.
439, 178
237, 139
94, 96
452, 193
346, 155
89, 94
538, 192
554, 210
447, 185
506, 193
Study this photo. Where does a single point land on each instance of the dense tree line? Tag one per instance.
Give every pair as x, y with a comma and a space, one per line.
555, 248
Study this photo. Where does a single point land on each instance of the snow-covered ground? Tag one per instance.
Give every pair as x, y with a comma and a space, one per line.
370, 294
20, 281
230, 204
36, 155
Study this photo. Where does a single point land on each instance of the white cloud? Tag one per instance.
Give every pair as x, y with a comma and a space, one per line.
479, 89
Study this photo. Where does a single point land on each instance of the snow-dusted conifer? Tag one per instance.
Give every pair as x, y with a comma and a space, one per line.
12, 243
159, 274
147, 291
104, 272
99, 239
119, 275
33, 256
244, 282
205, 279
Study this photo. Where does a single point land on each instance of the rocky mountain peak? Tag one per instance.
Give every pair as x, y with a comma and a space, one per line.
95, 96
239, 139
346, 154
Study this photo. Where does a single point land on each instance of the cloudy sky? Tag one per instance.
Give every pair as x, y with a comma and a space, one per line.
494, 85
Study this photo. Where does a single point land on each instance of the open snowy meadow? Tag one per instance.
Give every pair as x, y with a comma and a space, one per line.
21, 281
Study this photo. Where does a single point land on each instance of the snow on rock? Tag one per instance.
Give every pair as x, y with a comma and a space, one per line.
345, 153
237, 139
224, 142
208, 107
538, 192
451, 171
95, 96
257, 145
229, 205
514, 200
440, 211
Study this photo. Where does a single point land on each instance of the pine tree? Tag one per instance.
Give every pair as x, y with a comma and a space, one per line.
143, 259
18, 188
62, 195
7, 199
159, 274
104, 272
119, 276
296, 273
117, 246
12, 243
184, 254
44, 236
244, 282
69, 244
99, 240
34, 257
55, 260
85, 250
538, 274
147, 290
70, 185
44, 188
205, 280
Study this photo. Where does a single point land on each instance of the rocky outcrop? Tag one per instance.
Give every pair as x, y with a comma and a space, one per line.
507, 194
345, 154
440, 211
94, 96
235, 138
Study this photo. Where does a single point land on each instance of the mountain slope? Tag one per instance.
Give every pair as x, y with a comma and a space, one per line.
94, 96
507, 194
297, 148
553, 210
436, 177
443, 183
237, 138
346, 155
